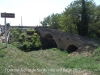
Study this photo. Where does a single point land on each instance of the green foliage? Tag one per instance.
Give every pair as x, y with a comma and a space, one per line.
35, 34
23, 36
36, 42
51, 21
45, 22
8, 25
85, 19
25, 41
20, 39
29, 38
96, 54
54, 48
95, 26
26, 46
30, 32
14, 35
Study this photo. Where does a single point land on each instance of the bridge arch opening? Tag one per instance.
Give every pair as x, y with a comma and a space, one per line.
48, 36
71, 48
48, 41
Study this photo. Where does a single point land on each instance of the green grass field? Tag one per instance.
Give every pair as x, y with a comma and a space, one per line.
47, 62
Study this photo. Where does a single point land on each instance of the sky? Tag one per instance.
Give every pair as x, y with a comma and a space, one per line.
32, 11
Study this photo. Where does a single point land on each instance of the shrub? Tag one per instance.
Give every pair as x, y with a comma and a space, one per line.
23, 35
29, 38
20, 39
26, 46
30, 32
54, 48
35, 34
36, 41
27, 41
14, 35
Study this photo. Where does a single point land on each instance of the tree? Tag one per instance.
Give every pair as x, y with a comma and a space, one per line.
55, 21
94, 28
80, 14
83, 29
79, 17
46, 22
51, 21
8, 25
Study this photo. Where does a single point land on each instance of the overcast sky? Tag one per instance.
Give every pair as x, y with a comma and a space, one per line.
32, 11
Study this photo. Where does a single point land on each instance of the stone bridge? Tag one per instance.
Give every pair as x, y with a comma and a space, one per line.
65, 41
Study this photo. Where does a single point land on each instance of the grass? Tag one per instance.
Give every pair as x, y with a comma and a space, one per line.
47, 62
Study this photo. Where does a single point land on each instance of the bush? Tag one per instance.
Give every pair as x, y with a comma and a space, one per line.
20, 39
14, 35
30, 32
26, 46
54, 48
29, 38
27, 41
33, 42
23, 35
36, 42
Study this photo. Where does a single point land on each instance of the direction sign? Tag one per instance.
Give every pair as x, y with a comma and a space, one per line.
7, 15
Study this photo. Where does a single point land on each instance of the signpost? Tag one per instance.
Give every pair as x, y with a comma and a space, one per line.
7, 15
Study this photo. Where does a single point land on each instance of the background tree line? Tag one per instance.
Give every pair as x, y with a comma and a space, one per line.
79, 17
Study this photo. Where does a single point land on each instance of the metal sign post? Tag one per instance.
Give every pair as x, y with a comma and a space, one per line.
7, 15
5, 31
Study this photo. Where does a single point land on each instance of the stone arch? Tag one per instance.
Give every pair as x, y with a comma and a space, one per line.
48, 41
47, 35
71, 48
